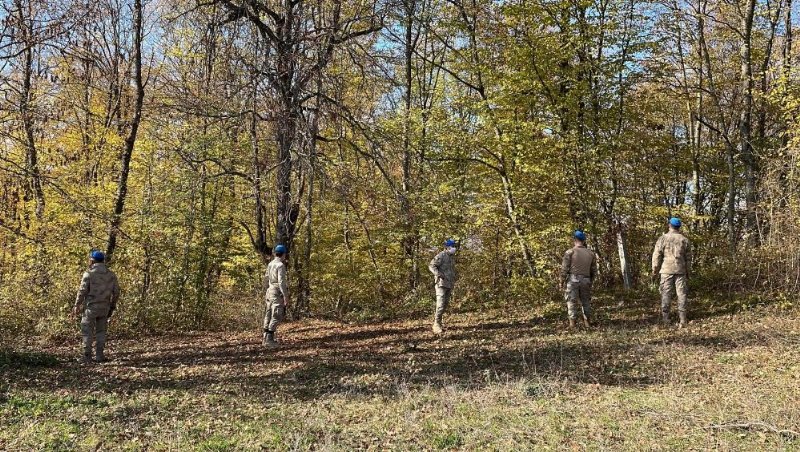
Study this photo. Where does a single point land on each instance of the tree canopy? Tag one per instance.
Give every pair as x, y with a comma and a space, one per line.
187, 138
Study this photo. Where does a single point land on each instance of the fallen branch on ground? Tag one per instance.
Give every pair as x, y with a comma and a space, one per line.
755, 426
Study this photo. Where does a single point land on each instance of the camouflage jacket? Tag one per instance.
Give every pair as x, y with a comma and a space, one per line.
444, 270
277, 280
99, 289
672, 254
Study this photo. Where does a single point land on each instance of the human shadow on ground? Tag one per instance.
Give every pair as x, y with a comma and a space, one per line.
26, 359
716, 342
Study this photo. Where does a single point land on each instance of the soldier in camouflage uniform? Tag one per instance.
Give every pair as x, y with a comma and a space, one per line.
97, 297
277, 295
672, 259
578, 269
444, 271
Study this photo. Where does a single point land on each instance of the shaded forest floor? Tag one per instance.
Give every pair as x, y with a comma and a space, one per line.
495, 380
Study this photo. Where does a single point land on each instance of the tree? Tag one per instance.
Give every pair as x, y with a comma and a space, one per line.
132, 128
293, 32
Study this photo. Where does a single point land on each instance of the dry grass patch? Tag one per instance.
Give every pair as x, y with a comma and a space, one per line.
729, 382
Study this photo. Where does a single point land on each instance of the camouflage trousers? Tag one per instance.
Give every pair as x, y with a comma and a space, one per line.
276, 311
443, 295
579, 288
94, 324
669, 285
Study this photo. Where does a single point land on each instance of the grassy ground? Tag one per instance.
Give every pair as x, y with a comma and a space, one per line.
496, 381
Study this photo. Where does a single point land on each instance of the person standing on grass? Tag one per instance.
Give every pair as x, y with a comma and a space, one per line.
578, 269
277, 295
444, 273
672, 259
97, 298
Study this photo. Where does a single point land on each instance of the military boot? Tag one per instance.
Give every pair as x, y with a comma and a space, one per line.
270, 341
86, 358
665, 318
683, 323
572, 324
100, 357
437, 327
586, 322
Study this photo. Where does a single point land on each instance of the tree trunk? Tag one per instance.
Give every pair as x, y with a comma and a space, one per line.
130, 140
731, 208
286, 214
761, 128
622, 249
147, 244
410, 240
304, 276
745, 117
511, 211
787, 46
26, 21
260, 239
697, 135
